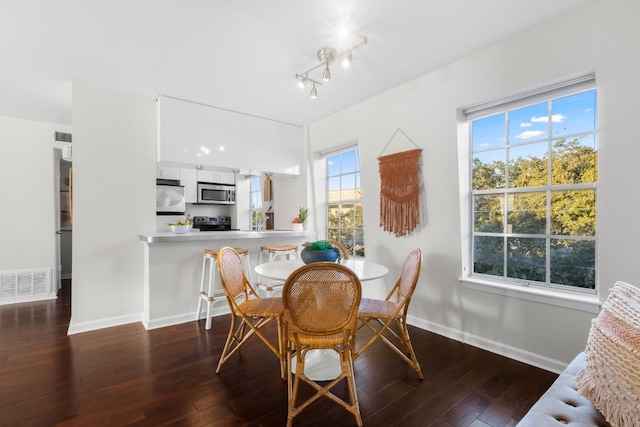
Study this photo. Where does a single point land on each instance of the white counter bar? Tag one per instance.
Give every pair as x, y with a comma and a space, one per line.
173, 267
195, 235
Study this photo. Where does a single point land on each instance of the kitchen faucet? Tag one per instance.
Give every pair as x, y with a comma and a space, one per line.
262, 223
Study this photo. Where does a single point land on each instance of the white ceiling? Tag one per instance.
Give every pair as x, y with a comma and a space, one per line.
238, 54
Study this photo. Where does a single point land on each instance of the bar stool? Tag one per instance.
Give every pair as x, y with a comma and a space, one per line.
211, 257
275, 253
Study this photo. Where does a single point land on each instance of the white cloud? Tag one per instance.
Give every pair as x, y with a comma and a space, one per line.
556, 118
525, 125
528, 134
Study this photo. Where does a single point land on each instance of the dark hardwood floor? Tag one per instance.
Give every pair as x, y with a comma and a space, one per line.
126, 375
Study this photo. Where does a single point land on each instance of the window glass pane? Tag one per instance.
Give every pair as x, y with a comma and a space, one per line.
573, 263
346, 216
574, 160
526, 259
527, 213
488, 170
333, 185
488, 213
333, 234
529, 123
488, 255
358, 240
348, 162
359, 222
348, 183
573, 212
488, 132
334, 216
333, 166
574, 114
528, 165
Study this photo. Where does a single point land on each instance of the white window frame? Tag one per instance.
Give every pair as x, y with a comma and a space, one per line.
325, 155
578, 299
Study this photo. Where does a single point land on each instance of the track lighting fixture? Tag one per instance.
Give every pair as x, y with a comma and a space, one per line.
327, 56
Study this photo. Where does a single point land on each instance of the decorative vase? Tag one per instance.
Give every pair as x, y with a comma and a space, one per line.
318, 255
297, 226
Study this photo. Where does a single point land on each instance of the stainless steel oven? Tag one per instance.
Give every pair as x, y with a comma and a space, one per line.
216, 194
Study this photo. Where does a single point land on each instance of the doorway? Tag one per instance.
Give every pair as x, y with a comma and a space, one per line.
64, 217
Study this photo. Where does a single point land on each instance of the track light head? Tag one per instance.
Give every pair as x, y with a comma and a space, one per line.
302, 81
347, 59
326, 75
314, 92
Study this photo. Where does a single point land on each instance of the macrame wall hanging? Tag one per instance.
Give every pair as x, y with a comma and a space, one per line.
400, 189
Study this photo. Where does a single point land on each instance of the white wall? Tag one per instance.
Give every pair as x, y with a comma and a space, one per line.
602, 37
27, 195
114, 138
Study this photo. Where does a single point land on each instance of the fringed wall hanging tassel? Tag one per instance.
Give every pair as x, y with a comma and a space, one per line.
400, 191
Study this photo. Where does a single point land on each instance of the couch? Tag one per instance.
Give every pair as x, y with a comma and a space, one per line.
601, 386
563, 405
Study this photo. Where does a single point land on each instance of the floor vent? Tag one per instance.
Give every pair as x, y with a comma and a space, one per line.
25, 283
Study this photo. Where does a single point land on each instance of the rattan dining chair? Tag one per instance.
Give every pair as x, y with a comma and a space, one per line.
381, 315
344, 254
320, 312
246, 305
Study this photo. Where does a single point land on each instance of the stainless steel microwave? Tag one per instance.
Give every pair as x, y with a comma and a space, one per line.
216, 194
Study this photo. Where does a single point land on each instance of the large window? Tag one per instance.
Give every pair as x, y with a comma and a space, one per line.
534, 169
344, 201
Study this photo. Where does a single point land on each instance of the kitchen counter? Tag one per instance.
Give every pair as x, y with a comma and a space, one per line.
195, 235
173, 268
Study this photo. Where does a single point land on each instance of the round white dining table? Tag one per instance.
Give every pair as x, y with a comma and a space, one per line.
321, 365
280, 270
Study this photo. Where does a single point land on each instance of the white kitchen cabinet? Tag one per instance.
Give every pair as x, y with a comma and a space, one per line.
271, 146
216, 177
198, 135
189, 180
167, 172
195, 134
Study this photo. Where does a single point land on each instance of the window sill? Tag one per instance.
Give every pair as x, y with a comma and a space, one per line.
587, 303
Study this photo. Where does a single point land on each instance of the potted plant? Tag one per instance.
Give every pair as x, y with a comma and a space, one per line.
319, 251
297, 224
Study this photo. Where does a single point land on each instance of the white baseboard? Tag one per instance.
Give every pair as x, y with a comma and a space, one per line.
184, 318
27, 298
76, 328
514, 353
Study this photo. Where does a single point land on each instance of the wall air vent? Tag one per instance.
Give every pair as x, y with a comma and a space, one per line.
62, 137
26, 285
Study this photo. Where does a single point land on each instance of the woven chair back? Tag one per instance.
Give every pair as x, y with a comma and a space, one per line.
231, 273
409, 275
322, 298
343, 251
